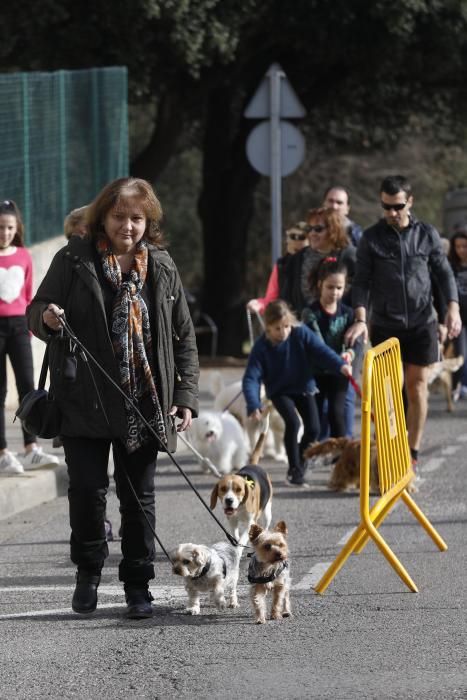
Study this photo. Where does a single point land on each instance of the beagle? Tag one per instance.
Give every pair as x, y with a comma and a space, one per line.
245, 496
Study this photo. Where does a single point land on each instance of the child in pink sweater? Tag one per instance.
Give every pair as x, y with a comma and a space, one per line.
15, 341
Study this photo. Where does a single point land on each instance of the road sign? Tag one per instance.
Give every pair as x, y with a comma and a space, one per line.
275, 148
292, 144
290, 106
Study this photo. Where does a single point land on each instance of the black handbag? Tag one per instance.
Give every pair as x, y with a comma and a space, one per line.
38, 412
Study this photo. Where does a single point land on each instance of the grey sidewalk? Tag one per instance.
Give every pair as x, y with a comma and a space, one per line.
30, 489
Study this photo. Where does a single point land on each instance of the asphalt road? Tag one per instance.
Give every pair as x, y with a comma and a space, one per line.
368, 636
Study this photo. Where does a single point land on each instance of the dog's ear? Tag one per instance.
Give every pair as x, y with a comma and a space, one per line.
254, 532
281, 527
196, 555
214, 496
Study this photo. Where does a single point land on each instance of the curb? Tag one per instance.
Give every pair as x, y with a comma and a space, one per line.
30, 489
19, 492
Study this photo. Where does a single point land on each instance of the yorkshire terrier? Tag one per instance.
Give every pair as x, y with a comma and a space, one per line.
269, 571
208, 569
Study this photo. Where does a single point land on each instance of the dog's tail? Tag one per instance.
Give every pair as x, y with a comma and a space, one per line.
258, 449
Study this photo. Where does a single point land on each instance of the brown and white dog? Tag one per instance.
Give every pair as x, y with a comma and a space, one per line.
268, 571
246, 496
345, 454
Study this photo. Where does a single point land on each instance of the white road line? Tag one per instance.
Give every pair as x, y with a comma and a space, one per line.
56, 611
461, 438
346, 537
312, 577
432, 465
450, 450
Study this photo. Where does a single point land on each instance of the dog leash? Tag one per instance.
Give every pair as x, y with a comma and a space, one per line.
89, 356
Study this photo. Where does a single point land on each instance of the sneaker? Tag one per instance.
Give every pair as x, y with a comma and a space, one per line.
9, 464
36, 458
297, 484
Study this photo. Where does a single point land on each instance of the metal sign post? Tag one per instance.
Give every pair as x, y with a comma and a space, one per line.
275, 147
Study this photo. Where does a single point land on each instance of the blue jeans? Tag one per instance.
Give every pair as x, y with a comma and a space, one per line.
349, 415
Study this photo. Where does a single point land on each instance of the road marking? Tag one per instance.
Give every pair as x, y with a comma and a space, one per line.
346, 536
312, 577
432, 465
461, 438
450, 450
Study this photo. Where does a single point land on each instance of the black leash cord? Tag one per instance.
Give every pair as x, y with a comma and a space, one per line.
90, 356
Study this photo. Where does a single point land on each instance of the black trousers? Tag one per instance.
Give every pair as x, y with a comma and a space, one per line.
334, 389
287, 406
16, 343
87, 461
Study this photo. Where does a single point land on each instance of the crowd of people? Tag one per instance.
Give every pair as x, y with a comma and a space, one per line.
335, 288
351, 286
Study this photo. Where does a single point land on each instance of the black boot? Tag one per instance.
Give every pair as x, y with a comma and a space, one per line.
85, 596
138, 600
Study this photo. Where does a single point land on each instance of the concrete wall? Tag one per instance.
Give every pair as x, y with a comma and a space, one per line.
42, 255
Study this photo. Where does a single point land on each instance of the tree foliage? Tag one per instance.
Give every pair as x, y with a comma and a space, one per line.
362, 69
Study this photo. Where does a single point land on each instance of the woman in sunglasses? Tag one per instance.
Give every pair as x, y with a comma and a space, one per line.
327, 237
296, 240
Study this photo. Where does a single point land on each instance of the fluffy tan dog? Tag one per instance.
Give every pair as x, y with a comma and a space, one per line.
345, 453
269, 571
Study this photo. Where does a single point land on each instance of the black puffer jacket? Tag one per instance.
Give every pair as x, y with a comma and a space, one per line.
73, 283
393, 274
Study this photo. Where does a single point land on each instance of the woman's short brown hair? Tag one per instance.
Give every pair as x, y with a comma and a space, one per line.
118, 194
334, 223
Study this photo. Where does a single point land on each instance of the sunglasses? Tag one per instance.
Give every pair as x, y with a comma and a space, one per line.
297, 236
319, 228
396, 207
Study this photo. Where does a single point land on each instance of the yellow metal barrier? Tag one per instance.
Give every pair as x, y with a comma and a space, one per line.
382, 397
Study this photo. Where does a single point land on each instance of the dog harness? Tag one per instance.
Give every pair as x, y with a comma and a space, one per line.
253, 571
207, 566
256, 477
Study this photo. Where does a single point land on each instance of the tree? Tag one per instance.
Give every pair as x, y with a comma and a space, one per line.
361, 69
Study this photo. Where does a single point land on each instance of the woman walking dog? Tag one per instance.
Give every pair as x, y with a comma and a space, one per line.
123, 298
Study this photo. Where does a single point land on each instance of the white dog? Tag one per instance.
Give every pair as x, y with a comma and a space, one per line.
208, 569
219, 437
231, 396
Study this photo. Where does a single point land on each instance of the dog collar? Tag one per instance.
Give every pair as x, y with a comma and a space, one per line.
252, 578
207, 566
204, 570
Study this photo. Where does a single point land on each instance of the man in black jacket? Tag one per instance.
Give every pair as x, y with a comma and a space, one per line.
396, 259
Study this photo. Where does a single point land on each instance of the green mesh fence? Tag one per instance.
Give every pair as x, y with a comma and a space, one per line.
64, 135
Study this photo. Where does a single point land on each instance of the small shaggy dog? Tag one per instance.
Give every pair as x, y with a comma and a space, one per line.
345, 454
230, 397
219, 437
269, 571
211, 570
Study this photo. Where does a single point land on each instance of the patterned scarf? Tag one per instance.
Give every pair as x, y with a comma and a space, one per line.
131, 338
